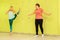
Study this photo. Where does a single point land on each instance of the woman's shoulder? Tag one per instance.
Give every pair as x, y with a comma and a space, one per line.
40, 8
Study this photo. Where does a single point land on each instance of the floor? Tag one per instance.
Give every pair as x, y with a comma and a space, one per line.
16, 36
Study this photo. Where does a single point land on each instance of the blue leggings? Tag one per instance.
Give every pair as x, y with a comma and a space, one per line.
11, 22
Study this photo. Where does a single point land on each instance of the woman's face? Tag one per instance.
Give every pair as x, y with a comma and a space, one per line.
37, 7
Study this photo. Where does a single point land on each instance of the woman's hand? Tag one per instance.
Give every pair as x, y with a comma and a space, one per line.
47, 13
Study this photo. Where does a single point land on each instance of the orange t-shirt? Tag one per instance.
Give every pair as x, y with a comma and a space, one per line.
38, 13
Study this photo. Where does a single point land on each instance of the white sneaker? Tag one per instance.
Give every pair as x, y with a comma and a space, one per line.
36, 35
43, 37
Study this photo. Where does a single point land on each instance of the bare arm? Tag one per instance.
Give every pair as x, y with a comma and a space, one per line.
7, 12
32, 13
46, 13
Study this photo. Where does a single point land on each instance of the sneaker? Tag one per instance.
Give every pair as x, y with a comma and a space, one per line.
18, 12
36, 35
42, 36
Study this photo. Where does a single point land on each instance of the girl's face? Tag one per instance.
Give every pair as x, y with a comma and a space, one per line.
11, 8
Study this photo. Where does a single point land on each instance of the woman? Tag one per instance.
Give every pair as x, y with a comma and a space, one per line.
12, 16
38, 18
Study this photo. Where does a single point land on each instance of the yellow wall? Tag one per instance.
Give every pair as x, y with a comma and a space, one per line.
25, 23
59, 15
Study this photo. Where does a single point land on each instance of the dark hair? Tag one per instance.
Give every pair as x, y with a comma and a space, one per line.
37, 4
11, 6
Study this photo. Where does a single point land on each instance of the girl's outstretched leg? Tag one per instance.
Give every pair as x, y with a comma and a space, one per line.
16, 15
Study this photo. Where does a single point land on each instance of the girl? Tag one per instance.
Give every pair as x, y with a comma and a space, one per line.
12, 16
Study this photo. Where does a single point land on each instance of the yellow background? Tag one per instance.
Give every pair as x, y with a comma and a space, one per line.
25, 23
